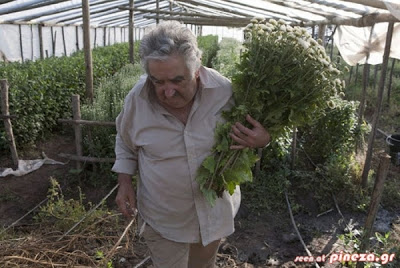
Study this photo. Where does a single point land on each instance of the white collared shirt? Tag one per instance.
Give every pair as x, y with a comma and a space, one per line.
167, 154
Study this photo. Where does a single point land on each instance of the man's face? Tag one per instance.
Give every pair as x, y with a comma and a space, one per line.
172, 81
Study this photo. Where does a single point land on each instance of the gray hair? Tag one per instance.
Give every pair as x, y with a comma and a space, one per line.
169, 38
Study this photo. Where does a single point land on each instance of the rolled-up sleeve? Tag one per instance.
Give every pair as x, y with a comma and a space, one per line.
126, 159
126, 152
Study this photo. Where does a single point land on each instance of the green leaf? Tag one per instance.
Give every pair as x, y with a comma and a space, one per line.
210, 196
209, 163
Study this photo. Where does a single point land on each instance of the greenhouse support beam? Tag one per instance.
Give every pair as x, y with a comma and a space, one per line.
200, 15
367, 20
231, 11
218, 21
379, 185
368, 158
340, 6
40, 26
87, 49
131, 29
371, 3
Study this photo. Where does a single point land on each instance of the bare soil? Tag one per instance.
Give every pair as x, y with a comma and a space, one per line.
261, 239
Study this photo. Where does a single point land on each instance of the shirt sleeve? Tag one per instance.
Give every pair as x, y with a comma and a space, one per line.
126, 153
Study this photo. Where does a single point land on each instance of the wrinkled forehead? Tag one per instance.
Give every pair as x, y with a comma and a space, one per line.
168, 68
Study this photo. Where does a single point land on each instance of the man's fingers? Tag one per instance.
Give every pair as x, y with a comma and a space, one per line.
237, 147
252, 121
239, 141
244, 130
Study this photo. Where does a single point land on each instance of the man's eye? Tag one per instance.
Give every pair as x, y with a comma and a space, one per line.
176, 81
158, 82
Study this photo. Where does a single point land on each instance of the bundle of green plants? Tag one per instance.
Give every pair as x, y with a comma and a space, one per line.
40, 91
107, 104
284, 79
209, 46
227, 56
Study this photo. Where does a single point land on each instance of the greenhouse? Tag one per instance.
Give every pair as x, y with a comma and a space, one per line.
309, 130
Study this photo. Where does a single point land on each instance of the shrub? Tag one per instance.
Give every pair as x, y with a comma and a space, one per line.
108, 101
227, 56
209, 45
40, 92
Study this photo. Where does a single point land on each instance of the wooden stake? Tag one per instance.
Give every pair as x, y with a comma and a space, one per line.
32, 42
41, 41
104, 36
367, 164
374, 205
321, 33
63, 37
95, 36
131, 38
76, 111
20, 43
157, 9
7, 121
88, 50
77, 37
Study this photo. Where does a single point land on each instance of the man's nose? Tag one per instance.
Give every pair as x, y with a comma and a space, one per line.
169, 90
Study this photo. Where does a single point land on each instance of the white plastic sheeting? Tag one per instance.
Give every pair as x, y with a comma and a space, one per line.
394, 7
355, 43
28, 166
10, 40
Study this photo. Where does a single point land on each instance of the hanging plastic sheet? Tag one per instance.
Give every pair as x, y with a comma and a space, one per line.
354, 43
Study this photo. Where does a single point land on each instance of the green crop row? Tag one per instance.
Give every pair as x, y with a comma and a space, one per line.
108, 101
209, 46
40, 91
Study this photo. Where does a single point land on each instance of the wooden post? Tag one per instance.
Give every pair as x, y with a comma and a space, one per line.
157, 8
374, 205
321, 33
131, 40
367, 164
31, 42
95, 36
7, 121
105, 37
88, 50
20, 43
63, 37
76, 110
52, 40
363, 93
77, 37
390, 81
41, 41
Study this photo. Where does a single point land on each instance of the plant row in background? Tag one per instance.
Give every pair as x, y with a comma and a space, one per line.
40, 91
208, 44
108, 102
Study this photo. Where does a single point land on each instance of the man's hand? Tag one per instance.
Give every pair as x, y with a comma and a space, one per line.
257, 137
126, 196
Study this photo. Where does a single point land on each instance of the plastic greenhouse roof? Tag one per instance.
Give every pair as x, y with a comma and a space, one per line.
221, 12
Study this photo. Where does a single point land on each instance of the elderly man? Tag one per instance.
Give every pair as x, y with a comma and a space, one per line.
165, 131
